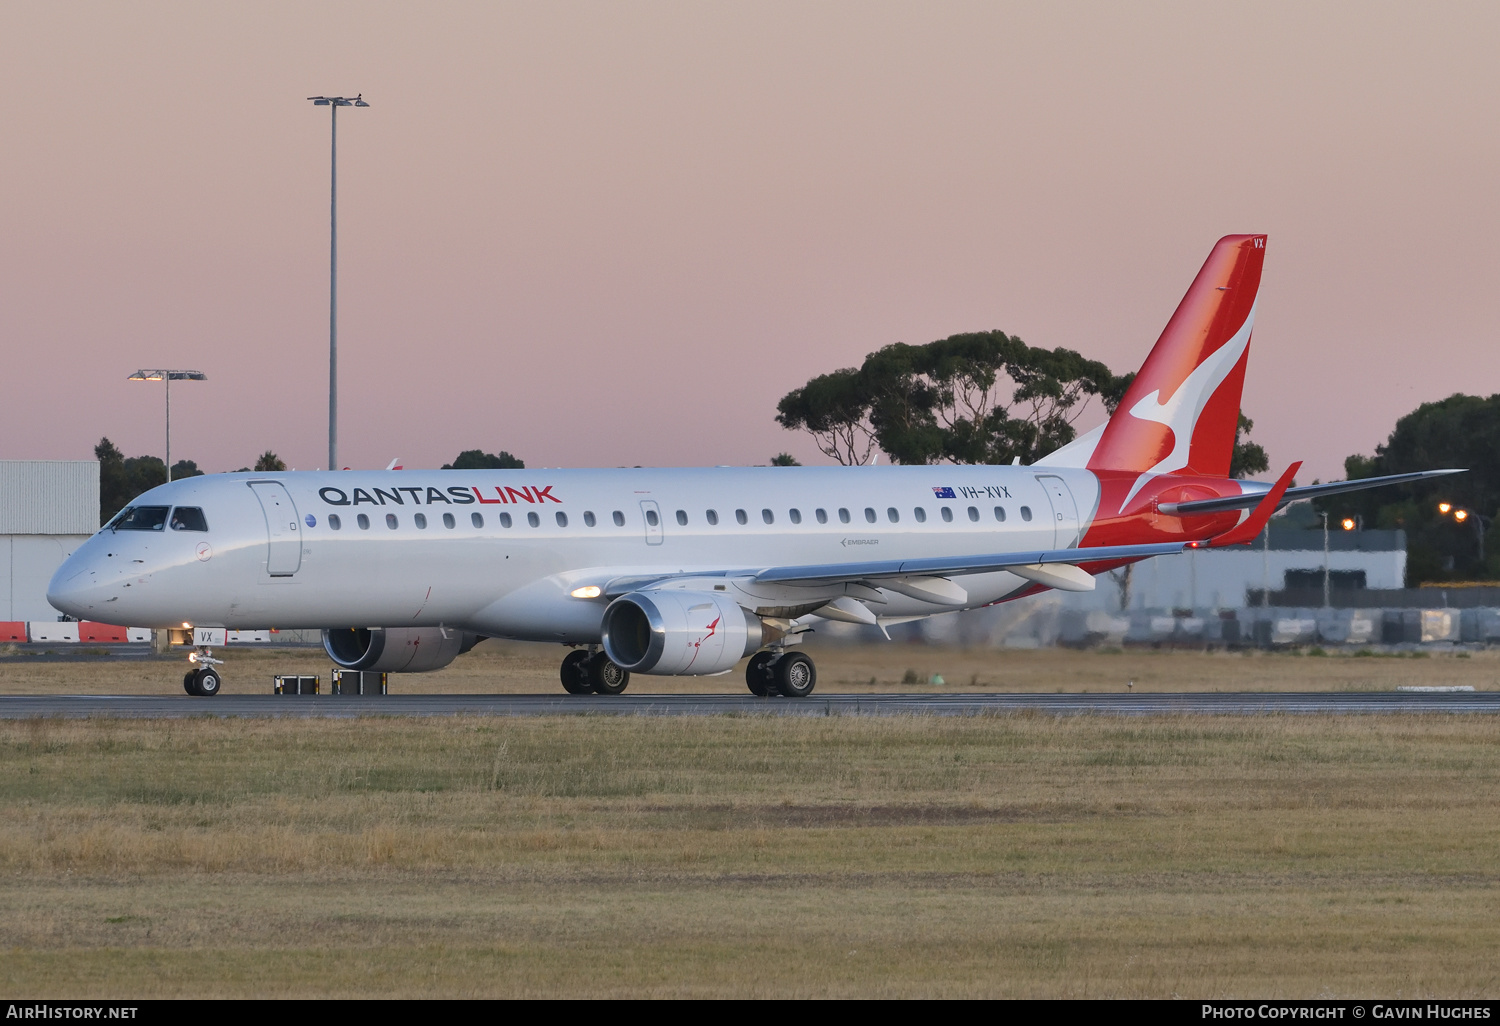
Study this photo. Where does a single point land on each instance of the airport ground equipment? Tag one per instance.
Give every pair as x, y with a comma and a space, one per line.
360, 682
297, 684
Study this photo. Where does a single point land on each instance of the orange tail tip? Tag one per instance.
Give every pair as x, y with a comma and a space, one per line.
1179, 414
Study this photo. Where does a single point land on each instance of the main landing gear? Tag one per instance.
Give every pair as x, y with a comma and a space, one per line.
203, 681
772, 673
591, 672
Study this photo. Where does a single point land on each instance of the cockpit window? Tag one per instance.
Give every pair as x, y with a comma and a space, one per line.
142, 518
188, 518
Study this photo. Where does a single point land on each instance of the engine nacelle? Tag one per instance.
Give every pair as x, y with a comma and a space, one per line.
690, 633
396, 649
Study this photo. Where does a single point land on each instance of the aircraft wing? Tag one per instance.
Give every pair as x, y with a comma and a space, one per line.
1316, 491
940, 566
954, 566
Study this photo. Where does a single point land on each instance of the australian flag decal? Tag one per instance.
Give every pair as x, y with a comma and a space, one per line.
943, 493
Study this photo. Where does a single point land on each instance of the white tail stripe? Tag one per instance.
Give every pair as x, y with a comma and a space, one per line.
1180, 412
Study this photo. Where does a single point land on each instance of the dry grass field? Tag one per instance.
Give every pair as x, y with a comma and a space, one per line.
736, 856
512, 667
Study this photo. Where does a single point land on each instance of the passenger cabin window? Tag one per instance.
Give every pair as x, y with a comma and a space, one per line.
531, 518
390, 521
562, 519
420, 519
477, 519
869, 514
450, 523
947, 514
588, 518
920, 514
795, 515
505, 521
188, 518
363, 521
1026, 513
334, 522
768, 516
843, 516
619, 519
712, 516
740, 517
652, 519
142, 518
822, 515
892, 514
682, 517
974, 514
1000, 513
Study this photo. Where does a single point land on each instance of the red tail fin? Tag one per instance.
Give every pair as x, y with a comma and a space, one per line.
1180, 412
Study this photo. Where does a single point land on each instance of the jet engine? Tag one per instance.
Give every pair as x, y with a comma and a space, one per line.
679, 632
397, 649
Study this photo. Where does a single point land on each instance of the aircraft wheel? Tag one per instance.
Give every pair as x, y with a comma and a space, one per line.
795, 675
575, 673
758, 675
190, 682
606, 677
209, 682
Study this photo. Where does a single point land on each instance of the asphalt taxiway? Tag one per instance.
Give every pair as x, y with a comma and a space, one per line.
1137, 704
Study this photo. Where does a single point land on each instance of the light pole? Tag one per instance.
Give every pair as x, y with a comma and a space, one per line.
334, 103
1325, 559
168, 376
1460, 514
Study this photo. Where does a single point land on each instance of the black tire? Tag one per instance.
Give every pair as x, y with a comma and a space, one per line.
759, 676
209, 682
606, 677
190, 682
575, 673
795, 675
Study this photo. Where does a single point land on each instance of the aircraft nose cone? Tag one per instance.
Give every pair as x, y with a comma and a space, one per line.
73, 590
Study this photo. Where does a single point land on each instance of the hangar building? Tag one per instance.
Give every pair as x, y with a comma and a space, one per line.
47, 509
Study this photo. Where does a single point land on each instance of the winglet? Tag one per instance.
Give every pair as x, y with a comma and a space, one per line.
1252, 525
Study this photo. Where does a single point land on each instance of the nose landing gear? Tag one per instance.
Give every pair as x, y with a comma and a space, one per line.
203, 681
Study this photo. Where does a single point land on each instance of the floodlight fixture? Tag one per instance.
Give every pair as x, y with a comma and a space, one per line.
333, 103
167, 377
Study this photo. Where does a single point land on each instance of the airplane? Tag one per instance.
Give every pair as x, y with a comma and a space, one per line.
688, 571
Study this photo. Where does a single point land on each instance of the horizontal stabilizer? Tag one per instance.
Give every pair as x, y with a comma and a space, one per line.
1317, 491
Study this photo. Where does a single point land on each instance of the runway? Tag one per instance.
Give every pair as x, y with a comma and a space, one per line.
1138, 704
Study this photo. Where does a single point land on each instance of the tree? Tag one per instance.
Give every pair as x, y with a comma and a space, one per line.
981, 397
835, 410
478, 459
185, 468
1460, 431
269, 463
122, 479
1248, 458
785, 459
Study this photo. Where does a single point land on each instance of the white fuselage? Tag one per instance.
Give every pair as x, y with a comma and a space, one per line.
273, 559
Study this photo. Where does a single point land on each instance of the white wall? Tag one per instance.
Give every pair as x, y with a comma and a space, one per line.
1207, 579
27, 563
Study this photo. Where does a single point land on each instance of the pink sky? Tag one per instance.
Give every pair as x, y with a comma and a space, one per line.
604, 234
